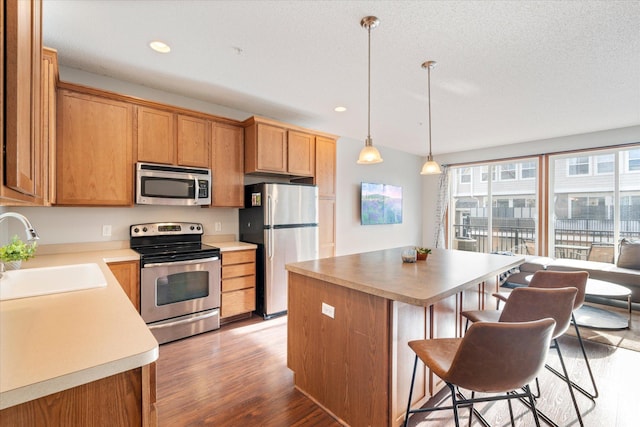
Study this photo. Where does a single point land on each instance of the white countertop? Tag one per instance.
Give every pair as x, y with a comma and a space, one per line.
55, 342
229, 246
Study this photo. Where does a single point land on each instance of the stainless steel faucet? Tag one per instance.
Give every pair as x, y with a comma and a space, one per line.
31, 232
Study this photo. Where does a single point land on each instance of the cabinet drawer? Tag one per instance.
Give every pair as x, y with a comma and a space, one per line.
238, 283
238, 257
238, 302
238, 270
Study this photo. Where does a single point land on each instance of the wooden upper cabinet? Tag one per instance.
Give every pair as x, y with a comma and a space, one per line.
227, 165
326, 166
94, 150
265, 148
301, 153
193, 141
22, 56
276, 148
155, 131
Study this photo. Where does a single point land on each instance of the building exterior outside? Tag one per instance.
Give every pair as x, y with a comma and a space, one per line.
594, 202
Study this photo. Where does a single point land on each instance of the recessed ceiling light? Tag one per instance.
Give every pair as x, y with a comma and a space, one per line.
340, 109
159, 46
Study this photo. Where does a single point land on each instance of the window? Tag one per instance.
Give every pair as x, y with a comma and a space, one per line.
528, 170
508, 172
500, 215
589, 211
484, 173
465, 175
605, 164
578, 166
633, 165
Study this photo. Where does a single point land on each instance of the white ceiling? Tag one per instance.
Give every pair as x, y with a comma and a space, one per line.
508, 71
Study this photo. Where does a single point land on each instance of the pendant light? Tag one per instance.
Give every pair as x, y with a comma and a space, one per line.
369, 154
430, 167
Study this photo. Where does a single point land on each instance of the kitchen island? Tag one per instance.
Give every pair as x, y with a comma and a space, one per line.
350, 318
77, 358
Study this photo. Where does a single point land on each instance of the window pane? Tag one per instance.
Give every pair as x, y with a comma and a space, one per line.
634, 160
510, 205
629, 210
508, 172
585, 215
528, 170
604, 164
465, 175
578, 166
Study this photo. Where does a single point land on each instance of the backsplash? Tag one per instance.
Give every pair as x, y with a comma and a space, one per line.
57, 225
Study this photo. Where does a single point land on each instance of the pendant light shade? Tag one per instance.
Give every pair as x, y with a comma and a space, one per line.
430, 167
369, 154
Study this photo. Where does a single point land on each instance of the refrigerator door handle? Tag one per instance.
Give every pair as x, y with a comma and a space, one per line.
270, 237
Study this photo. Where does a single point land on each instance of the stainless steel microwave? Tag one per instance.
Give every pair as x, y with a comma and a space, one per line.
158, 184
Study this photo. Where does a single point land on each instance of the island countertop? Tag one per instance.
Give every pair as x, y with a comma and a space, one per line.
382, 273
55, 342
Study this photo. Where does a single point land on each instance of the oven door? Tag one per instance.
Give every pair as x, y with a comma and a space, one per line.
177, 288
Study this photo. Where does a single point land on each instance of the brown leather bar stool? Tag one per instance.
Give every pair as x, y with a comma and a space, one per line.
528, 303
560, 279
486, 360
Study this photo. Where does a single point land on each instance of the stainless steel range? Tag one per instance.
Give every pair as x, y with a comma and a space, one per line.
179, 279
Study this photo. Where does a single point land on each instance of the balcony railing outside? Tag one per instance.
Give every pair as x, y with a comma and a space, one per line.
577, 239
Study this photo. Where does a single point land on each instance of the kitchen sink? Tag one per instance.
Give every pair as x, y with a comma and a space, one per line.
32, 282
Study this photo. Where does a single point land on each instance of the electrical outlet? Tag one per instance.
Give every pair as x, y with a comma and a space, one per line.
217, 226
106, 230
328, 310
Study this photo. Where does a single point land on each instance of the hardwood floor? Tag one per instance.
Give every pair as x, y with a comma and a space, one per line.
237, 376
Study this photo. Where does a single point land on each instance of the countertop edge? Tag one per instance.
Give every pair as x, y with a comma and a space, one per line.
54, 385
396, 296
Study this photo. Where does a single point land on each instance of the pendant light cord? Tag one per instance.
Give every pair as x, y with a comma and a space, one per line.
429, 98
369, 90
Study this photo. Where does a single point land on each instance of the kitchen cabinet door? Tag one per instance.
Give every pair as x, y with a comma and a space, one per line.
22, 56
94, 151
265, 148
227, 166
49, 81
128, 275
301, 153
193, 142
327, 227
156, 139
326, 166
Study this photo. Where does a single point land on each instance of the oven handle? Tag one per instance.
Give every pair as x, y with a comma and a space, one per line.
188, 262
183, 321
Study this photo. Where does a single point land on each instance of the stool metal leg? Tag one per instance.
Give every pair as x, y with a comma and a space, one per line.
566, 376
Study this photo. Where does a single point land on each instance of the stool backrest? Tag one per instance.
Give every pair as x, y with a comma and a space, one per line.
525, 304
562, 279
496, 357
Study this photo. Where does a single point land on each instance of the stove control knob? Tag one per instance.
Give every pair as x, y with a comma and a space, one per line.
198, 228
144, 229
192, 227
136, 230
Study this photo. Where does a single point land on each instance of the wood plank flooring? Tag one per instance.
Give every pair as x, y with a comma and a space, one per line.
237, 376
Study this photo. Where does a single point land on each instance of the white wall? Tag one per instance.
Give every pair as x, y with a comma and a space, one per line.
398, 168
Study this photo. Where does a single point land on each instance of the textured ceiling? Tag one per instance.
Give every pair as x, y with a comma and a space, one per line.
508, 71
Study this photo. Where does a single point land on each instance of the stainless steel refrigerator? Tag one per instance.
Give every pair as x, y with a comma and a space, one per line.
282, 219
